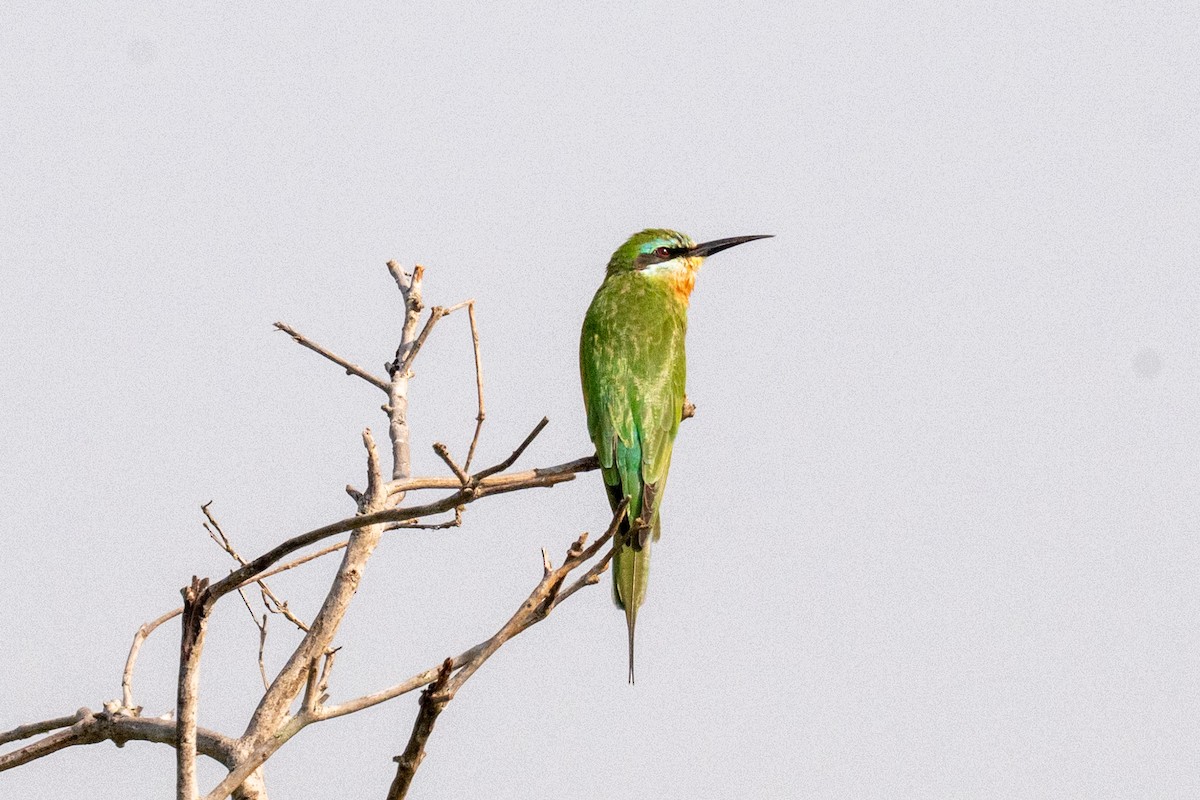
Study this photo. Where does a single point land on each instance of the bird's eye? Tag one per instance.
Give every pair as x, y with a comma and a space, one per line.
662, 252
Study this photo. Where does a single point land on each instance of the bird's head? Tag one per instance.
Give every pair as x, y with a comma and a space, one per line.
670, 255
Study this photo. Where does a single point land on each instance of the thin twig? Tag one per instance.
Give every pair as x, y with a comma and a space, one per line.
535, 608
262, 634
512, 459
262, 646
540, 601
492, 485
260, 567
443, 453
478, 386
530, 612
351, 369
139, 637
145, 630
430, 526
275, 606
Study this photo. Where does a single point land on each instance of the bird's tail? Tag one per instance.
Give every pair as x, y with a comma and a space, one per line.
631, 571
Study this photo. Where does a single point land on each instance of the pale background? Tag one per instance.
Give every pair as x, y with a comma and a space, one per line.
932, 533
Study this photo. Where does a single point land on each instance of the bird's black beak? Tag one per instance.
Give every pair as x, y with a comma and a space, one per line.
717, 245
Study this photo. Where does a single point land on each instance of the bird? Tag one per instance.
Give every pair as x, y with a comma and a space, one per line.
633, 368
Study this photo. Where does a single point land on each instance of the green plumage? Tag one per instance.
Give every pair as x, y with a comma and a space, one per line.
634, 369
633, 366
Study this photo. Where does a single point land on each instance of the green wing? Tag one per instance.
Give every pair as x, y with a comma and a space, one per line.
634, 369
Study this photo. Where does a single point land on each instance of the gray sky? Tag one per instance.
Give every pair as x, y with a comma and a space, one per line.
933, 532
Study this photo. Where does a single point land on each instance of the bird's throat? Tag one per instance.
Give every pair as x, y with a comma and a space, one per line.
683, 278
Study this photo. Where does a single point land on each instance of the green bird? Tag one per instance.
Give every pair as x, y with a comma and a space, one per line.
633, 367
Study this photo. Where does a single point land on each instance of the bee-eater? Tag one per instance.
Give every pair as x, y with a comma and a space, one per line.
633, 366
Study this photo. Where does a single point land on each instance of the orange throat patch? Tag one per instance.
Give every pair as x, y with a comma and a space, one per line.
682, 281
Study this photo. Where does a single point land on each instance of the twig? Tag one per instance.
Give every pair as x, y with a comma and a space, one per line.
478, 385
34, 728
351, 369
512, 459
530, 612
432, 702
443, 453
429, 526
218, 535
139, 637
333, 548
262, 633
407, 353
535, 608
492, 485
401, 365
262, 646
374, 478
309, 704
540, 601
260, 567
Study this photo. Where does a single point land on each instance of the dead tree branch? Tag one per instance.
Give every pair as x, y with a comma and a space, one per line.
433, 700
544, 598
302, 683
351, 369
140, 636
88, 727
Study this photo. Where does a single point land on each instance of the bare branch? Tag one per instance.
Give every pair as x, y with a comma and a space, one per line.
443, 453
35, 728
374, 477
195, 622
272, 709
401, 366
89, 728
478, 385
533, 610
512, 459
404, 281
309, 704
397, 405
270, 599
540, 601
306, 674
351, 369
430, 526
145, 630
262, 633
432, 702
262, 646
494, 484
127, 675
